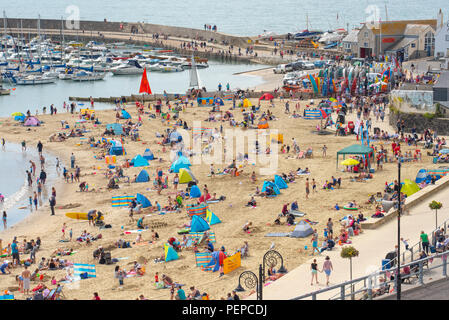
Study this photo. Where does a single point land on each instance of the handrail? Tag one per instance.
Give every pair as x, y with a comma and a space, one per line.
350, 283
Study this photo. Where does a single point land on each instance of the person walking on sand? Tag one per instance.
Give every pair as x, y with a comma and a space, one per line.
4, 218
24, 146
26, 275
35, 199
307, 188
176, 181
63, 230
52, 201
314, 269
72, 161
327, 268
40, 146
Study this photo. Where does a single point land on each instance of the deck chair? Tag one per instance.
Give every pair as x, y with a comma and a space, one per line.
309, 153
58, 293
51, 295
301, 155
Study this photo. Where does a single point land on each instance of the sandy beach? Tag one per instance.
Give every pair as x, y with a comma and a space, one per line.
232, 211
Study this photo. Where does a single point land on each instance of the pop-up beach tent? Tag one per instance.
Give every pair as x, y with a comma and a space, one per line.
139, 161
272, 185
170, 253
140, 198
180, 163
421, 176
247, 103
143, 176
302, 230
32, 122
195, 192
409, 187
280, 183
148, 155
185, 176
175, 136
198, 224
125, 114
211, 218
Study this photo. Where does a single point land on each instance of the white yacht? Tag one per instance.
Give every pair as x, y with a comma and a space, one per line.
130, 67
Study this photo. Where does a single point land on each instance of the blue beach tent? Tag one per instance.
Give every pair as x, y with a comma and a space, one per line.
140, 198
143, 176
195, 192
181, 163
125, 114
198, 224
139, 161
272, 185
280, 183
148, 155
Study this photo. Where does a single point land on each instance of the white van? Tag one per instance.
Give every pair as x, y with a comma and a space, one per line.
280, 69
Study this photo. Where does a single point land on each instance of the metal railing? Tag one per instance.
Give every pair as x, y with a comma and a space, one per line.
364, 288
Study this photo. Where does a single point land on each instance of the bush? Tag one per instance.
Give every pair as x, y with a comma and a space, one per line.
349, 252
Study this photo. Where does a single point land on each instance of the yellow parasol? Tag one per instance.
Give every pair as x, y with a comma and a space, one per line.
350, 162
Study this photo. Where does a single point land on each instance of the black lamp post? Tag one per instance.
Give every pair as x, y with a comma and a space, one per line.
270, 259
249, 280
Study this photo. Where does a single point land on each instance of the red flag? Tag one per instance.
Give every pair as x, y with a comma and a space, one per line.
144, 84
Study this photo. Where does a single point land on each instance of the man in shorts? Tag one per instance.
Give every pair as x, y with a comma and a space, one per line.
26, 275
90, 216
15, 252
307, 188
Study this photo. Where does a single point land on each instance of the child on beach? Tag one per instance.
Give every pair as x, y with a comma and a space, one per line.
63, 230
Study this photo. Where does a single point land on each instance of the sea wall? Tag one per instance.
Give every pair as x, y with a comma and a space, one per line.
102, 26
420, 122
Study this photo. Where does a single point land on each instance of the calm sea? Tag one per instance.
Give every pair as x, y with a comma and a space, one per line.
250, 17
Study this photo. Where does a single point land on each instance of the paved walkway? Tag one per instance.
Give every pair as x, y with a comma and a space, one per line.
372, 245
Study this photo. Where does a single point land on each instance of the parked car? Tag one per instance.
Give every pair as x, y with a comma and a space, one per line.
280, 69
306, 65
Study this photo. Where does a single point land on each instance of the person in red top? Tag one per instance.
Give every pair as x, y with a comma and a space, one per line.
96, 297
156, 277
393, 146
221, 257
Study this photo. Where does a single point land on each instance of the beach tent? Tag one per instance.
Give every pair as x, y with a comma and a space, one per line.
266, 96
356, 149
409, 187
116, 127
263, 124
170, 253
140, 198
19, 118
421, 176
180, 163
32, 122
185, 176
280, 183
211, 218
247, 103
143, 176
218, 102
195, 192
148, 155
272, 185
116, 151
198, 224
302, 230
125, 114
175, 136
139, 161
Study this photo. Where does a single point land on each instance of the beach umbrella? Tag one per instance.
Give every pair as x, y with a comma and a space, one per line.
350, 162
20, 114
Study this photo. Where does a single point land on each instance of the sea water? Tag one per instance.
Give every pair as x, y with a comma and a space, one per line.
35, 97
250, 17
13, 180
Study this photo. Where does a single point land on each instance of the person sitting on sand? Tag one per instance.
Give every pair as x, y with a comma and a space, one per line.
352, 204
83, 186
139, 238
290, 219
247, 226
154, 235
336, 207
251, 203
168, 282
253, 177
294, 206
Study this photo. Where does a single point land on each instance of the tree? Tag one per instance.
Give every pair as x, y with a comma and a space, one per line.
435, 205
349, 252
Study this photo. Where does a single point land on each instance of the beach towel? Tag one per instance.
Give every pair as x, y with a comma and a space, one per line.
311, 222
278, 234
135, 231
80, 269
199, 236
212, 201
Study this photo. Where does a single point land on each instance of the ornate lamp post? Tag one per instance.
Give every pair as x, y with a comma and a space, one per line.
271, 259
250, 281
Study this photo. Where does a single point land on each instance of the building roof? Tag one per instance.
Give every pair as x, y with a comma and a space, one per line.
443, 80
402, 44
415, 29
352, 36
399, 27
